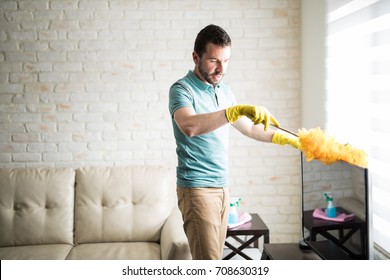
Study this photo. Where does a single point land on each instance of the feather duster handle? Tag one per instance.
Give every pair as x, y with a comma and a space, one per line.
285, 130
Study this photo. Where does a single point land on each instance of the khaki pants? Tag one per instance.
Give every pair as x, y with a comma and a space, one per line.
205, 213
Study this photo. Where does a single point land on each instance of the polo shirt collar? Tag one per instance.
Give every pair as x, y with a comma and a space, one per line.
199, 83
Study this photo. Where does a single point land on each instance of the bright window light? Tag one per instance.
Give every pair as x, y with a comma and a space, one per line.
358, 92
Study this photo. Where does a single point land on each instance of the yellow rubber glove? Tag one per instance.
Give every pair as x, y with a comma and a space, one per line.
258, 114
282, 138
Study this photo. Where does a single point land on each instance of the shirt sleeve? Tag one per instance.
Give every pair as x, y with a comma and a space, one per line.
179, 96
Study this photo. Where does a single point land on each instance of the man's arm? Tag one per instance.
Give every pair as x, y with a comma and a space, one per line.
257, 132
252, 125
192, 124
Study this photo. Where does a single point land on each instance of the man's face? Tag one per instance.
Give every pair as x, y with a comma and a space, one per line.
211, 67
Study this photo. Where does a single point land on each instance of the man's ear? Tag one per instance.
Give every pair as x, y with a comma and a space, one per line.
195, 58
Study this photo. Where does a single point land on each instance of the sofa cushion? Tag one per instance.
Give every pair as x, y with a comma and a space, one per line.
119, 204
116, 251
36, 206
36, 252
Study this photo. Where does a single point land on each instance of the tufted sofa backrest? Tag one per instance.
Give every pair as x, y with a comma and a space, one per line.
118, 204
36, 206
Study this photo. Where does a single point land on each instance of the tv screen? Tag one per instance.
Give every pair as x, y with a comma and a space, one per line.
347, 235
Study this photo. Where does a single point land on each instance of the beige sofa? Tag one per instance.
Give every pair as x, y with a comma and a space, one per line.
90, 213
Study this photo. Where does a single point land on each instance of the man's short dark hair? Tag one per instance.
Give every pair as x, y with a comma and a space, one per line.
211, 34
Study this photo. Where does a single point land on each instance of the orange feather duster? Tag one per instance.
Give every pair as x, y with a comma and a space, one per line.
316, 144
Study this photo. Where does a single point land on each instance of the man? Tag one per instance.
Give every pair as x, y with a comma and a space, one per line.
201, 107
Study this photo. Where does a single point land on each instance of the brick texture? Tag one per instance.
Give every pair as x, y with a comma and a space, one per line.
86, 83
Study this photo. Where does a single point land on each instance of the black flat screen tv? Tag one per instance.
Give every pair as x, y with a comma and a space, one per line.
350, 236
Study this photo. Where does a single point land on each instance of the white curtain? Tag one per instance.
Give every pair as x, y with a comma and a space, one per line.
358, 93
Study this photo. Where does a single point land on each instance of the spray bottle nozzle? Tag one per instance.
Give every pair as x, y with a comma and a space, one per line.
328, 197
235, 201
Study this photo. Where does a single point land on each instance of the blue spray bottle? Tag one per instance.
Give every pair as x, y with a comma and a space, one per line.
330, 208
233, 211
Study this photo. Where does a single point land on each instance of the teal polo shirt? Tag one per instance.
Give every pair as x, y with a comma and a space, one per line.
203, 159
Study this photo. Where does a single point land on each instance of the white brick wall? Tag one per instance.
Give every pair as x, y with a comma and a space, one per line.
86, 82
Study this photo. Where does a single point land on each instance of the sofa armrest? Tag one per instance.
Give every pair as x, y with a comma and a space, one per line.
173, 241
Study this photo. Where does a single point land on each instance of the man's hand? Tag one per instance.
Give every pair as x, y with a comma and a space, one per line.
257, 114
285, 138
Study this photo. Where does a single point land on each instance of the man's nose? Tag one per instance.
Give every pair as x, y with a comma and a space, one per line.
221, 67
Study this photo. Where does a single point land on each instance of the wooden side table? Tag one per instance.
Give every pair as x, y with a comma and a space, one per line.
256, 228
345, 231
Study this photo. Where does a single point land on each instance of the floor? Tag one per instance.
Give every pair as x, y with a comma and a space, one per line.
254, 253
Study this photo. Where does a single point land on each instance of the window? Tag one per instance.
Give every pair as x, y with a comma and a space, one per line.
358, 93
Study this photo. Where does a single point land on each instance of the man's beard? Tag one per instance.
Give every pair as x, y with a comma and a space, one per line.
207, 76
